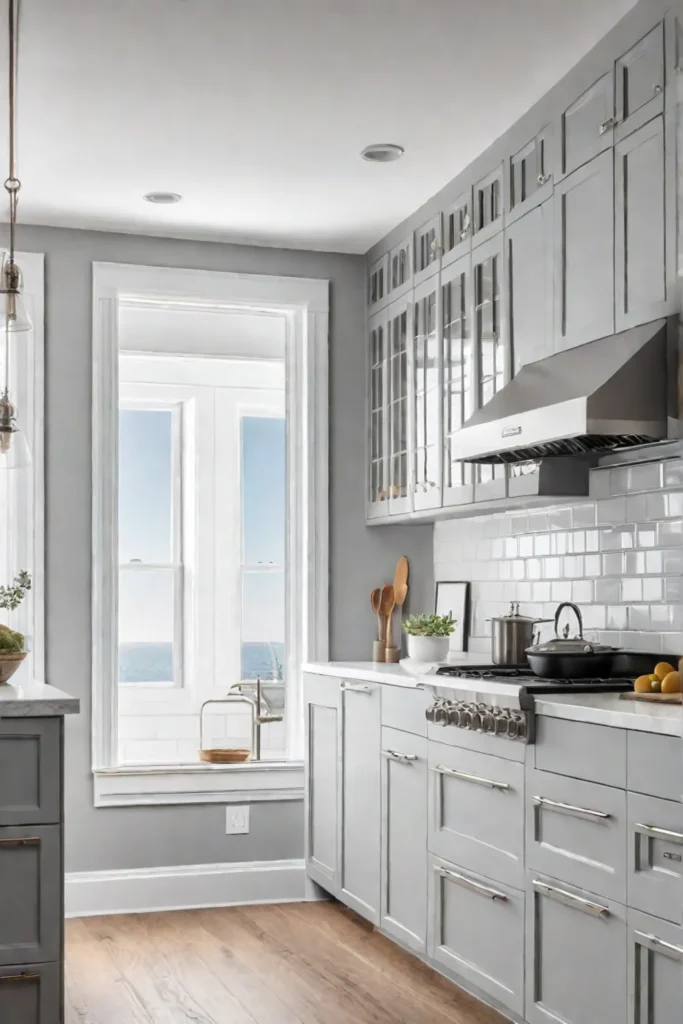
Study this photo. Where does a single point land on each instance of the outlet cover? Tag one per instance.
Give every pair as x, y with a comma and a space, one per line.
236, 820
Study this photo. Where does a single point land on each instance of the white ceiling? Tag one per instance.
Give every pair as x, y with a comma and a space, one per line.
256, 110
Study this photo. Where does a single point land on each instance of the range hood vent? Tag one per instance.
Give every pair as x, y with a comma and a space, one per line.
607, 394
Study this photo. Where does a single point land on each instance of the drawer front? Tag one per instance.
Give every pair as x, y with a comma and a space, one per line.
476, 812
576, 955
577, 831
30, 894
31, 994
478, 742
405, 709
654, 765
655, 967
655, 856
30, 771
476, 931
596, 753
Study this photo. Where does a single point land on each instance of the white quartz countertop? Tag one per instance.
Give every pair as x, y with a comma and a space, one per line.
376, 672
35, 700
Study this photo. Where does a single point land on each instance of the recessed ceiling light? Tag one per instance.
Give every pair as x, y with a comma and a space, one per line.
382, 152
162, 198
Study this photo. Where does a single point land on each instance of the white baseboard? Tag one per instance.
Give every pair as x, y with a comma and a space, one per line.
186, 887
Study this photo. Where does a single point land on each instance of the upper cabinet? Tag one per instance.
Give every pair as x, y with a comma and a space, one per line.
427, 243
400, 331
459, 384
529, 253
587, 125
530, 175
488, 205
640, 82
378, 401
378, 284
401, 269
491, 352
457, 228
426, 396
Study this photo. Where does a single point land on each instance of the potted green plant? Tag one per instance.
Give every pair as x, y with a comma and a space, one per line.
428, 636
12, 651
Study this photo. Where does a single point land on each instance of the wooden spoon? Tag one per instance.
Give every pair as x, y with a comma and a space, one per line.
400, 594
401, 579
387, 608
376, 604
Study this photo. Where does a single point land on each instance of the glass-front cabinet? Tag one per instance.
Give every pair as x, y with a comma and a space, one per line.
492, 364
426, 396
399, 439
459, 391
378, 336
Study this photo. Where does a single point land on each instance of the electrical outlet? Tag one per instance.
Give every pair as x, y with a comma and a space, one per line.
236, 820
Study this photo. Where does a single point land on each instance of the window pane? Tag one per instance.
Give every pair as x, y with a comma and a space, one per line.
263, 490
263, 625
145, 484
146, 638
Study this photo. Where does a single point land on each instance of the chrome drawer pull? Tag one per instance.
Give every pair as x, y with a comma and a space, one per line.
660, 946
395, 755
356, 687
660, 833
466, 777
9, 979
570, 900
606, 125
469, 883
543, 179
576, 812
29, 841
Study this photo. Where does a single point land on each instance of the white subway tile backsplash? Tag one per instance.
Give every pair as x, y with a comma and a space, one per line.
632, 590
646, 536
607, 591
538, 522
511, 547
583, 591
583, 516
612, 511
673, 473
617, 617
592, 540
592, 565
519, 525
673, 561
542, 544
673, 588
541, 591
552, 568
653, 588
636, 508
525, 547
634, 562
599, 483
654, 561
673, 504
670, 532
639, 616
561, 590
534, 569
613, 563
560, 519
656, 506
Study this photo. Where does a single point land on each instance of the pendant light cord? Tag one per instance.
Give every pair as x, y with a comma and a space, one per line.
12, 184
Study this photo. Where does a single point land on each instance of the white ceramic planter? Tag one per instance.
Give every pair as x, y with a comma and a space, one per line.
428, 648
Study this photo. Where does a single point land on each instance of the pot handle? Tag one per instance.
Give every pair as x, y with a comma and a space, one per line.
577, 612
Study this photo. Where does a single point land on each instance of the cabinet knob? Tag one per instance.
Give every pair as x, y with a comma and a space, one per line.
543, 179
606, 125
657, 88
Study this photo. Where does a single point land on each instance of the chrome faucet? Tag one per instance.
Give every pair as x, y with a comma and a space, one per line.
261, 714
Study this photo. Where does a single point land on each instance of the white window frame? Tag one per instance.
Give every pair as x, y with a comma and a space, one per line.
303, 305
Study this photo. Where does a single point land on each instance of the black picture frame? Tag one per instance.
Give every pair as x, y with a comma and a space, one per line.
453, 596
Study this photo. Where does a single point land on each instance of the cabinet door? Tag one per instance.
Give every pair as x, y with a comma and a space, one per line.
30, 894
576, 955
476, 931
359, 798
30, 771
655, 856
530, 179
459, 382
457, 229
529, 243
640, 219
491, 348
400, 332
584, 254
655, 966
404, 838
400, 269
427, 249
488, 205
31, 994
378, 275
588, 124
378, 416
322, 779
640, 82
426, 396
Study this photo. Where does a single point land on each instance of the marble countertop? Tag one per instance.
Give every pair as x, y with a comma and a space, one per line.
376, 672
35, 700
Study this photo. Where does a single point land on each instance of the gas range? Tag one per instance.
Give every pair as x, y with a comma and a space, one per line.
522, 676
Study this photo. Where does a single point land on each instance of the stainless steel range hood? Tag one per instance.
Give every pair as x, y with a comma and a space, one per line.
607, 394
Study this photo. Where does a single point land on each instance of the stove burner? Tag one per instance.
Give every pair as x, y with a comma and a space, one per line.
532, 683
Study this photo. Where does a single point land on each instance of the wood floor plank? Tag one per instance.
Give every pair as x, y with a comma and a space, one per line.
314, 963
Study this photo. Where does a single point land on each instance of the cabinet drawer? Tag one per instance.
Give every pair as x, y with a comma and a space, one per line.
30, 771
476, 812
31, 994
404, 709
577, 831
654, 765
30, 894
655, 966
596, 753
576, 962
476, 931
655, 856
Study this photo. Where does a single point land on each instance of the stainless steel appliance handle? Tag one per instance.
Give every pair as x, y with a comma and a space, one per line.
569, 899
395, 755
660, 946
356, 687
575, 812
469, 883
467, 777
659, 833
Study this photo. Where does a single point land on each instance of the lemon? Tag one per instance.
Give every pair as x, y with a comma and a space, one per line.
643, 684
663, 669
672, 683
655, 683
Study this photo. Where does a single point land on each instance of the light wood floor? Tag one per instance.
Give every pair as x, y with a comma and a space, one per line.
302, 963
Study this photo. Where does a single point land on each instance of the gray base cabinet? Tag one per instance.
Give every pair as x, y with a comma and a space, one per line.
655, 960
31, 994
321, 698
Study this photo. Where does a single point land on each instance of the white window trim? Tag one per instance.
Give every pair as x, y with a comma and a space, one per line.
304, 305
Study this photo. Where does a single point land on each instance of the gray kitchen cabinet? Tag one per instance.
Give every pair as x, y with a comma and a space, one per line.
399, 409
575, 955
400, 269
404, 709
476, 811
30, 771
322, 778
476, 931
404, 839
603, 750
529, 251
655, 856
530, 175
359, 798
491, 348
640, 81
457, 229
459, 382
487, 202
576, 831
655, 970
587, 124
378, 416
427, 247
584, 254
378, 284
31, 994
30, 916
426, 412
640, 227
653, 764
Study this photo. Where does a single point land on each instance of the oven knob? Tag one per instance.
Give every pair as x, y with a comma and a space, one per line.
501, 725
441, 715
465, 718
475, 717
487, 722
521, 727
453, 715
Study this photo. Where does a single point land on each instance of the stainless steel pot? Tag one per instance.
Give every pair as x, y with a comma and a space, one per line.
571, 658
511, 635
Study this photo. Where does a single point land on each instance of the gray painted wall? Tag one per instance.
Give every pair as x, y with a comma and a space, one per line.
359, 557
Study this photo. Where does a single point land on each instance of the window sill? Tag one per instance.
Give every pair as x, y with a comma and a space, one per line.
149, 785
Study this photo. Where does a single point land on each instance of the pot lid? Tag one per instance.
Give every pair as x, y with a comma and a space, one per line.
576, 645
514, 616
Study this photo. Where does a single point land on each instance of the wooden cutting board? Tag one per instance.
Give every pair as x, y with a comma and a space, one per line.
654, 698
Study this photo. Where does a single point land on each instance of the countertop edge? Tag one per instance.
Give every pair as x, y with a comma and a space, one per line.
36, 700
668, 724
